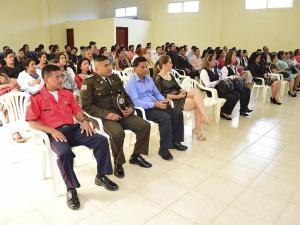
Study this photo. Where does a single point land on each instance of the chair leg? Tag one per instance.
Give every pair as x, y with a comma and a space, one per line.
216, 112
264, 94
257, 92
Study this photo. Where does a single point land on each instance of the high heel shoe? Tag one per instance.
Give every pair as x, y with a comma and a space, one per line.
274, 101
292, 95
199, 135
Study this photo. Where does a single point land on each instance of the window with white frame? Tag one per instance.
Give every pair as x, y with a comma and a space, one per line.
126, 12
264, 4
183, 7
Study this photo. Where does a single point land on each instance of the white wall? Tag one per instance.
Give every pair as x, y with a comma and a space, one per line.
139, 31
143, 6
69, 10
23, 22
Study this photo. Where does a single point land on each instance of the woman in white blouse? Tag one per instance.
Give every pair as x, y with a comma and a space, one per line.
229, 70
210, 78
29, 80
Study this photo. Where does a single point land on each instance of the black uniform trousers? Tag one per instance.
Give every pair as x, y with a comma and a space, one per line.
115, 129
245, 98
231, 99
170, 122
65, 156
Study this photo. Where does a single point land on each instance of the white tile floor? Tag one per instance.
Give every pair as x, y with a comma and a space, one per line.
247, 173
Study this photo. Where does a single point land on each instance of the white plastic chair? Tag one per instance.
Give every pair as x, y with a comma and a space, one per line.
284, 87
178, 77
16, 104
265, 89
214, 101
128, 71
154, 126
49, 157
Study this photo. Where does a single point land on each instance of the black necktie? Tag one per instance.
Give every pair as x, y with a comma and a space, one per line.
108, 81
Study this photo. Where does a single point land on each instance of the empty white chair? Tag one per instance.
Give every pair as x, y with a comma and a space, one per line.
15, 103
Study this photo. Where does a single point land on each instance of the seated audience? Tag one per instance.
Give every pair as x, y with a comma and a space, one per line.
195, 60
210, 78
283, 64
229, 71
184, 100
145, 94
73, 55
275, 68
29, 80
68, 74
52, 111
130, 53
138, 52
121, 62
182, 63
172, 52
7, 85
147, 54
104, 96
158, 54
42, 62
297, 55
83, 72
258, 70
10, 69
220, 57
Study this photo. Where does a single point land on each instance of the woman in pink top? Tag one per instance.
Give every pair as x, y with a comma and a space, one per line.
297, 55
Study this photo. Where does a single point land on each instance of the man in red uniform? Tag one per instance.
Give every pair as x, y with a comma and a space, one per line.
52, 111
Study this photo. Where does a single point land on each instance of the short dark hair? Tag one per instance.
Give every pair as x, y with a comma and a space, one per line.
8, 52
273, 55
21, 50
67, 46
139, 60
280, 54
101, 58
102, 50
49, 69
92, 43
158, 47
27, 61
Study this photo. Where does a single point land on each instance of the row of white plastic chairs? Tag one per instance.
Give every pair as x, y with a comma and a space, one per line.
16, 105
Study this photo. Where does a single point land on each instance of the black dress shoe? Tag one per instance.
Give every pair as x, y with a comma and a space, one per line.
119, 171
165, 154
244, 114
224, 116
249, 110
139, 160
180, 147
72, 200
106, 183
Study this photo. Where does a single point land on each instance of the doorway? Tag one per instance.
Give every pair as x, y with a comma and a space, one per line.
122, 36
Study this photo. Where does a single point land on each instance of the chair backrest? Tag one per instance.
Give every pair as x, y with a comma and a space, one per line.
16, 105
128, 71
119, 73
178, 77
189, 84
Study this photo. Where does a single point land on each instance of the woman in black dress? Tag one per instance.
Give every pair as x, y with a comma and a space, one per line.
258, 70
186, 101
